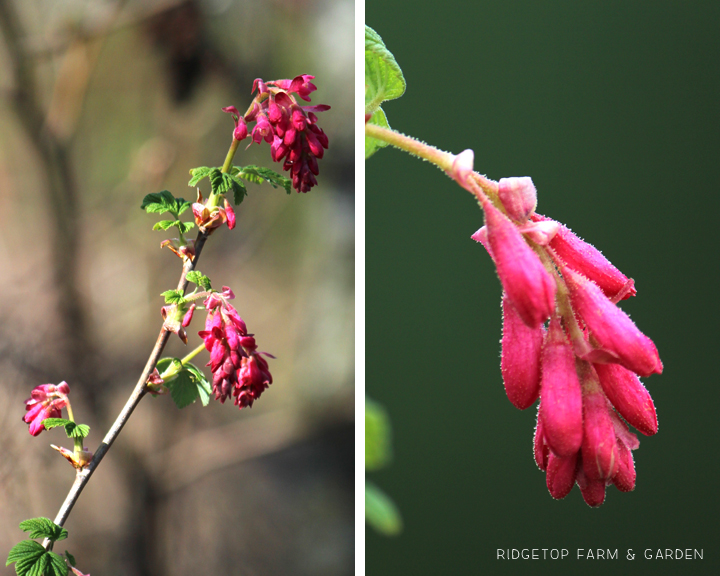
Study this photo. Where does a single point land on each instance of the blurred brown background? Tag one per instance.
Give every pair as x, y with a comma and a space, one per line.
101, 103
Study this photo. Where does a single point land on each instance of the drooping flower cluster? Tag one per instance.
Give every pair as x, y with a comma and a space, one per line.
289, 128
46, 401
584, 366
238, 368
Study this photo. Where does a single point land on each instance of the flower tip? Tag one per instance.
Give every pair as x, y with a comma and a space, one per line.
519, 197
63, 387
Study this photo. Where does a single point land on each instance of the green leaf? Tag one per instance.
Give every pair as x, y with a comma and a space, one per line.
383, 81
164, 224
260, 174
25, 553
38, 568
378, 445
183, 389
58, 566
70, 558
164, 363
372, 145
204, 387
161, 202
198, 174
43, 528
383, 78
78, 431
173, 297
239, 189
381, 512
197, 277
50, 423
183, 226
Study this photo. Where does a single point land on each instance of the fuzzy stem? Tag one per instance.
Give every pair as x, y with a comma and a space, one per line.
441, 159
227, 165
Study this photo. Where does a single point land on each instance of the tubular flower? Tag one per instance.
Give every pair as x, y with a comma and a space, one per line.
585, 366
291, 129
46, 401
238, 369
208, 218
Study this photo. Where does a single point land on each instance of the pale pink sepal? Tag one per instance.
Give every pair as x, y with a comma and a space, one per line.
518, 196
462, 168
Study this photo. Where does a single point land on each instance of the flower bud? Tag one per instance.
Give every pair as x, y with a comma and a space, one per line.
518, 196
593, 491
540, 447
560, 394
520, 358
629, 396
599, 446
561, 473
624, 480
611, 327
529, 287
589, 261
540, 232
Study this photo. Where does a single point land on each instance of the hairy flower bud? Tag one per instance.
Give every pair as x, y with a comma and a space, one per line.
529, 287
629, 396
560, 394
611, 327
518, 196
520, 359
541, 450
599, 446
561, 474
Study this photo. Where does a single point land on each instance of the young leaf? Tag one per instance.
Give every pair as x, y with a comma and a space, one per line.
198, 174
25, 554
383, 81
161, 202
238, 188
381, 512
260, 174
183, 226
70, 558
164, 224
204, 387
50, 423
378, 450
183, 389
43, 528
57, 565
78, 431
197, 277
173, 297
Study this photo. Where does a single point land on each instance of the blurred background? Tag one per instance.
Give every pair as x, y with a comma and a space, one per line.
101, 103
612, 108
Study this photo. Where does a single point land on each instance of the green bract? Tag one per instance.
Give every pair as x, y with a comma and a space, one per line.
383, 81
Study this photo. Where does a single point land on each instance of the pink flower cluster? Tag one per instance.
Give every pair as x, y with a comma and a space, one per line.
290, 129
46, 401
238, 368
584, 366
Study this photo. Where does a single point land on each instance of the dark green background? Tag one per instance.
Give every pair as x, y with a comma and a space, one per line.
614, 109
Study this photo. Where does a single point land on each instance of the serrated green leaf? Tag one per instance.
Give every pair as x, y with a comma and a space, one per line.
80, 431
43, 528
38, 568
164, 224
260, 174
50, 423
383, 77
173, 297
70, 558
197, 277
378, 440
381, 512
25, 552
204, 386
238, 188
183, 226
372, 145
159, 202
183, 389
57, 565
198, 174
